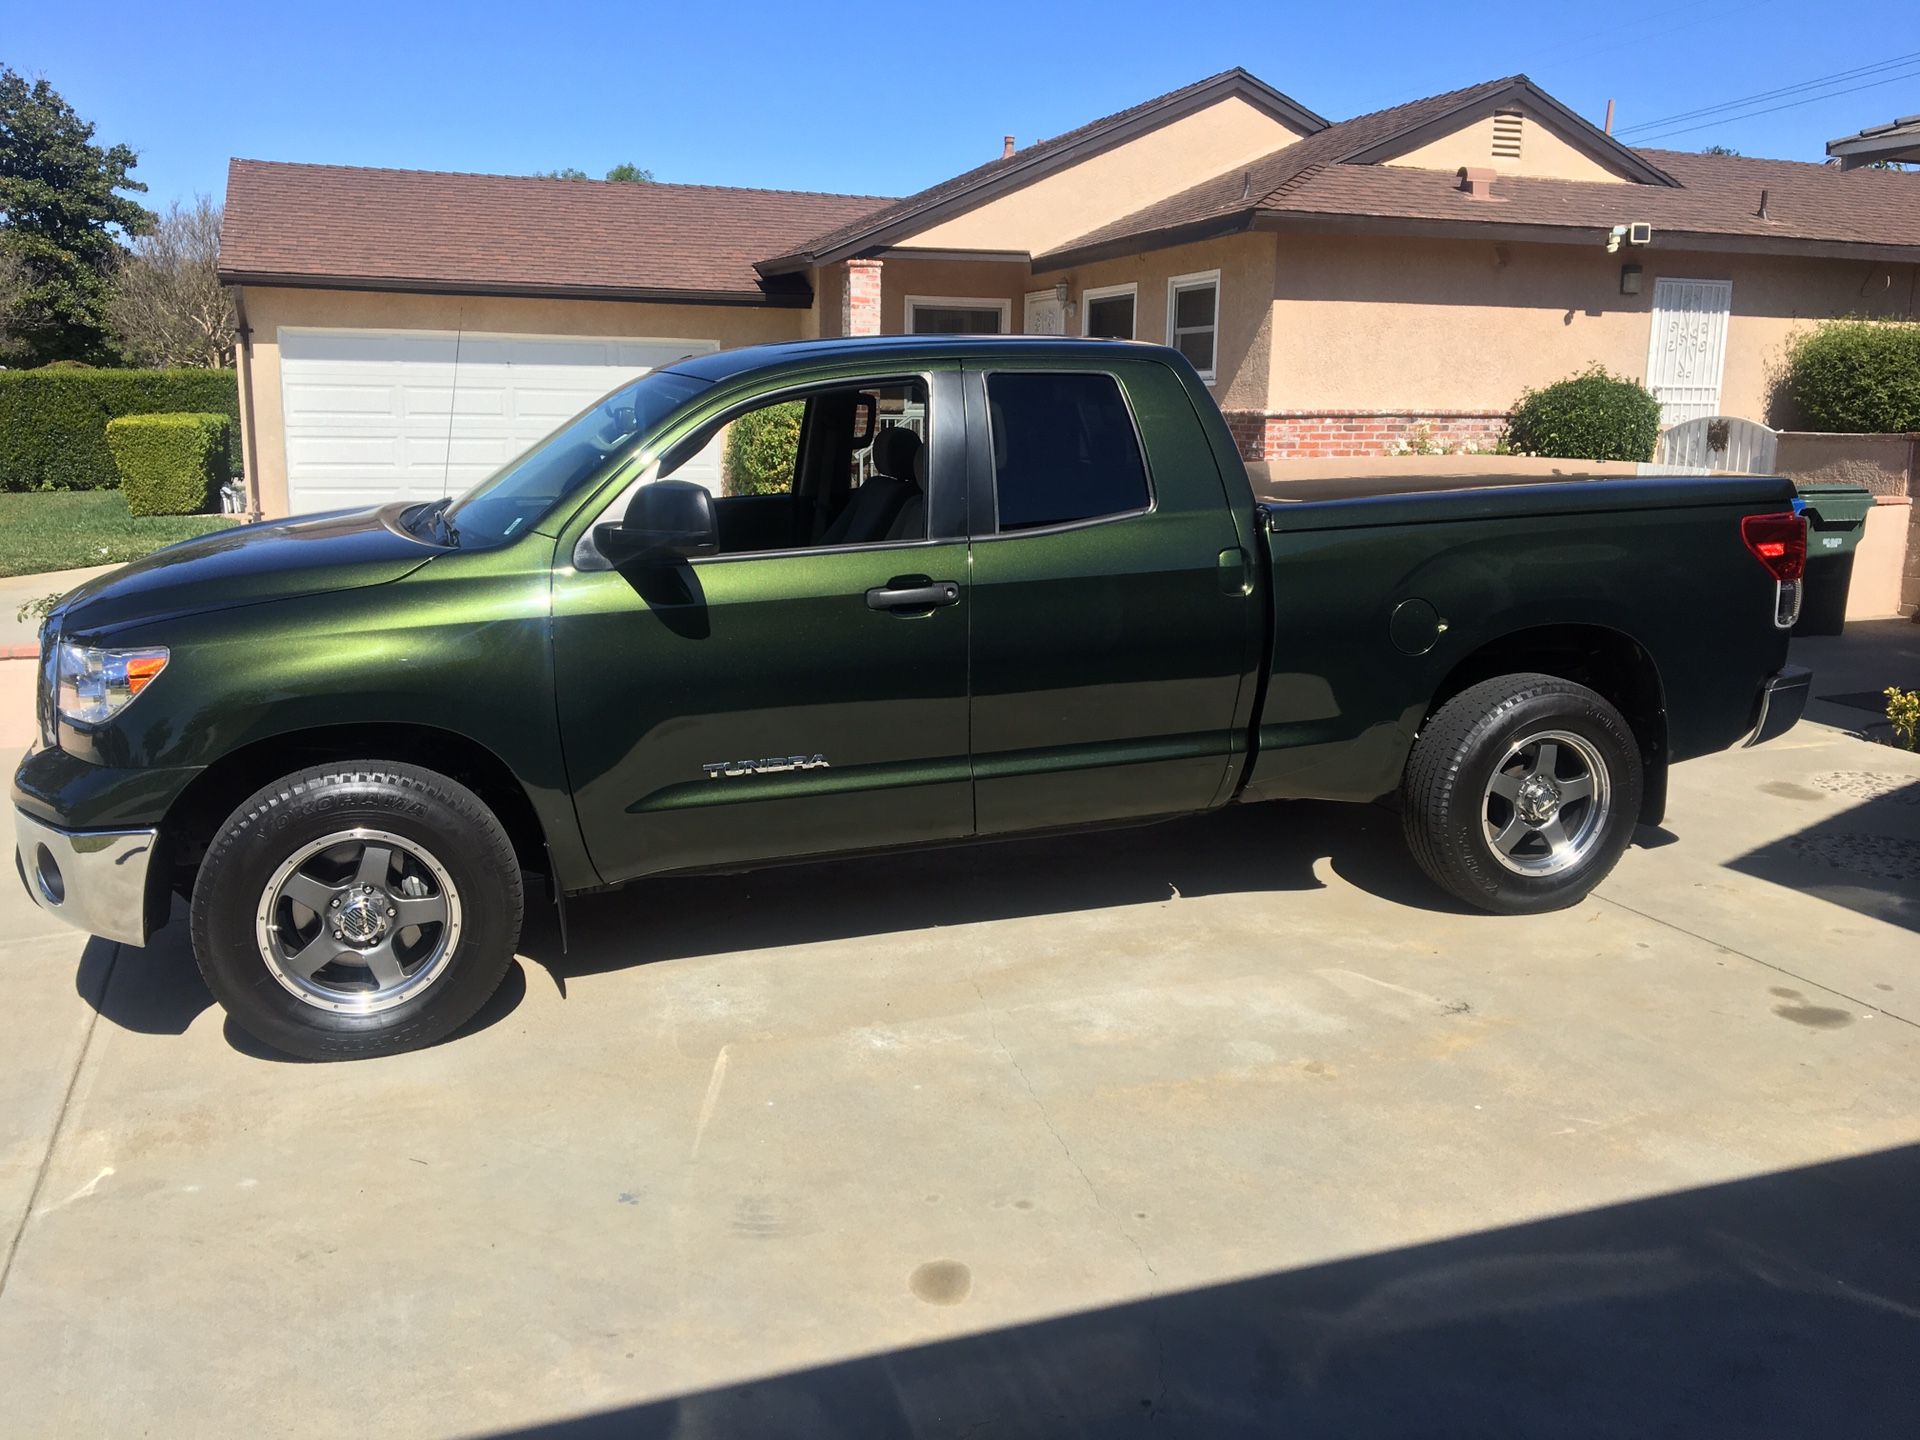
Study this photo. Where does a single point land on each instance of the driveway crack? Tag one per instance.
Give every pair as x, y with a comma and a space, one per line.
1768, 964
1158, 1401
59, 1122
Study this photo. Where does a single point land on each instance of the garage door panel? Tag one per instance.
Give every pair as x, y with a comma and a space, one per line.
374, 416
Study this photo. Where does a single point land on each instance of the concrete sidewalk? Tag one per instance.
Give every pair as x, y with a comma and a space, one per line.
1230, 1126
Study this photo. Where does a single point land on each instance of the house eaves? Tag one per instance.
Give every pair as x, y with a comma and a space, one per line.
976, 187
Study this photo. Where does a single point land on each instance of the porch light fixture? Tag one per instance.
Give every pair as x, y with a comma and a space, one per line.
1629, 279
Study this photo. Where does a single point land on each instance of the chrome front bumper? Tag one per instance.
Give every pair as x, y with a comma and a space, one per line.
95, 879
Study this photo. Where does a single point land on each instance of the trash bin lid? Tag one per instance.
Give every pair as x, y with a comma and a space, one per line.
1830, 507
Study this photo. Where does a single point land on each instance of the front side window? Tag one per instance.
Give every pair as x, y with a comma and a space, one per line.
1193, 318
956, 317
836, 467
1109, 312
1064, 450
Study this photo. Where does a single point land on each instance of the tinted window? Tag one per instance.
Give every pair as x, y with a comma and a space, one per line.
1063, 449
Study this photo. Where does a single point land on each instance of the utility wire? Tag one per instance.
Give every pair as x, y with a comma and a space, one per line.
1858, 72
1770, 109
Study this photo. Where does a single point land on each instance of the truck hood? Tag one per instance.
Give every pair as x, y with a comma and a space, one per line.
249, 565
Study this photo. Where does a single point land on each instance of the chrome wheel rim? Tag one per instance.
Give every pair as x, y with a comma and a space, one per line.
358, 921
1547, 803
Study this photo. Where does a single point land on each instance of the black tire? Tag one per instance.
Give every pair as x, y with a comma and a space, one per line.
1450, 810
422, 813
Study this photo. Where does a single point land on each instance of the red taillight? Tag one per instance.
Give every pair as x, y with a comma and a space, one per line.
1778, 542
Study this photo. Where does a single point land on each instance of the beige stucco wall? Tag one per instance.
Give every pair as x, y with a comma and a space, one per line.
994, 280
1246, 266
1114, 183
270, 309
1543, 154
1380, 323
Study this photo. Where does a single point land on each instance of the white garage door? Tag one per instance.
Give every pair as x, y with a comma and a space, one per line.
379, 415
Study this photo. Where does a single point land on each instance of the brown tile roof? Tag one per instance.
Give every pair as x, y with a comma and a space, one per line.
507, 234
1711, 195
1035, 156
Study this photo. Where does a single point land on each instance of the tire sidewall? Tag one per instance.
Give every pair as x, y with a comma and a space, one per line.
286, 817
1581, 713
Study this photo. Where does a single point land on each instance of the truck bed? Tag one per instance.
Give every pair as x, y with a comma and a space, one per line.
1310, 489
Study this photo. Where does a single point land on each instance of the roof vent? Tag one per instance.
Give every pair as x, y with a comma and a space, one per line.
1006, 147
1477, 181
1506, 134
1762, 211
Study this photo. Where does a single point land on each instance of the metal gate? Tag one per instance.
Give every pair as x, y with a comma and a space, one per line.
1718, 442
1687, 352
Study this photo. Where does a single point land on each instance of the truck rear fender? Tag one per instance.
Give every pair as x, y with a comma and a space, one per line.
1607, 661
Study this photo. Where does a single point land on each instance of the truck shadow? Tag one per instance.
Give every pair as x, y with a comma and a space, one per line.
1240, 850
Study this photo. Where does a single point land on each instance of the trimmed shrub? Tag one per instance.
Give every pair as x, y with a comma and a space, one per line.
762, 446
1859, 376
53, 422
170, 464
1591, 416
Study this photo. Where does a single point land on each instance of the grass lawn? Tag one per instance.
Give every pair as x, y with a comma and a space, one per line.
66, 529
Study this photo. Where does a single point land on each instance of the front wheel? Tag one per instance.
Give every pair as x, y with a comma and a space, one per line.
1522, 793
355, 910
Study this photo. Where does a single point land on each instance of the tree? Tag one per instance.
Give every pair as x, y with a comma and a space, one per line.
624, 173
167, 306
61, 216
1720, 150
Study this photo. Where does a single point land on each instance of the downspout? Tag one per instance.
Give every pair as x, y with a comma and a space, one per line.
250, 448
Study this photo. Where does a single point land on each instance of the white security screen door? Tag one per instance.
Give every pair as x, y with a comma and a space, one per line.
1687, 351
1046, 313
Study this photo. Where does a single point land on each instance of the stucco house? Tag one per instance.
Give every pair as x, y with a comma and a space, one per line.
1343, 286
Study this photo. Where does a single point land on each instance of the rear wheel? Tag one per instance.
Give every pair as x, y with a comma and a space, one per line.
356, 910
1522, 793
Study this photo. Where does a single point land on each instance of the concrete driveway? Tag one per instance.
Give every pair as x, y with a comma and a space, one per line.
1231, 1126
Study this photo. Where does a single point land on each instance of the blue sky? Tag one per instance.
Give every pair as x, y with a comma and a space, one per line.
876, 99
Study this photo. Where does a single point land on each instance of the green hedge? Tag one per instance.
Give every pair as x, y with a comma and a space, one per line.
762, 446
53, 422
1591, 416
1860, 376
170, 464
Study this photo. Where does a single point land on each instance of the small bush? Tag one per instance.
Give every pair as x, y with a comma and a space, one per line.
53, 421
762, 446
1592, 416
1858, 376
170, 464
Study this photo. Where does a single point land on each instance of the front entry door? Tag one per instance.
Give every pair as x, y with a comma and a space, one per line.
749, 706
1046, 313
1687, 351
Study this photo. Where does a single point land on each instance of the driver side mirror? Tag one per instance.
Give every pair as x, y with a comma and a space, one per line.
667, 520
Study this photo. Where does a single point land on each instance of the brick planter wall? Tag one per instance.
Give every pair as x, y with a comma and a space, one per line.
1357, 434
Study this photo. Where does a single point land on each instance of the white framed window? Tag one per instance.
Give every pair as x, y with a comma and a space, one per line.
1108, 312
955, 315
1193, 319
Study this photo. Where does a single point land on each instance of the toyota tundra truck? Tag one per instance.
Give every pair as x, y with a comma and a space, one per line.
855, 595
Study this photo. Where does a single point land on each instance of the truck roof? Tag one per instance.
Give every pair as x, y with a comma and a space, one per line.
726, 364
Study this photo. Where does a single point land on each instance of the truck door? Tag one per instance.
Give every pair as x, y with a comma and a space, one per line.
805, 690
1111, 603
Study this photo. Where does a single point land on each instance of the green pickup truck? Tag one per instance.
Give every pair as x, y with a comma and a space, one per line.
918, 590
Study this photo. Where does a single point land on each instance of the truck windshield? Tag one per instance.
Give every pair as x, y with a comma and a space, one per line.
517, 496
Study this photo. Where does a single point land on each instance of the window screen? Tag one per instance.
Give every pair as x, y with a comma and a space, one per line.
1064, 449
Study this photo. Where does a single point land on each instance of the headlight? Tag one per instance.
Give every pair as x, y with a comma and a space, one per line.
92, 686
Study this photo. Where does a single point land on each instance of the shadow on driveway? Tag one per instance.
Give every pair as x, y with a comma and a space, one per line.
1788, 1305
1239, 850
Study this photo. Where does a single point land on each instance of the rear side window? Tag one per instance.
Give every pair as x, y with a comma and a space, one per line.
1064, 449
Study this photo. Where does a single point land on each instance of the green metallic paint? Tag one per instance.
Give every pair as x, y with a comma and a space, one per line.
1120, 669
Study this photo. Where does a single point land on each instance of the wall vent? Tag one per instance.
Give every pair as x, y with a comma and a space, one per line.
1506, 134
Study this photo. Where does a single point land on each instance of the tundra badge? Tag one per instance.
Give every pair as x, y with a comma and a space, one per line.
773, 765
